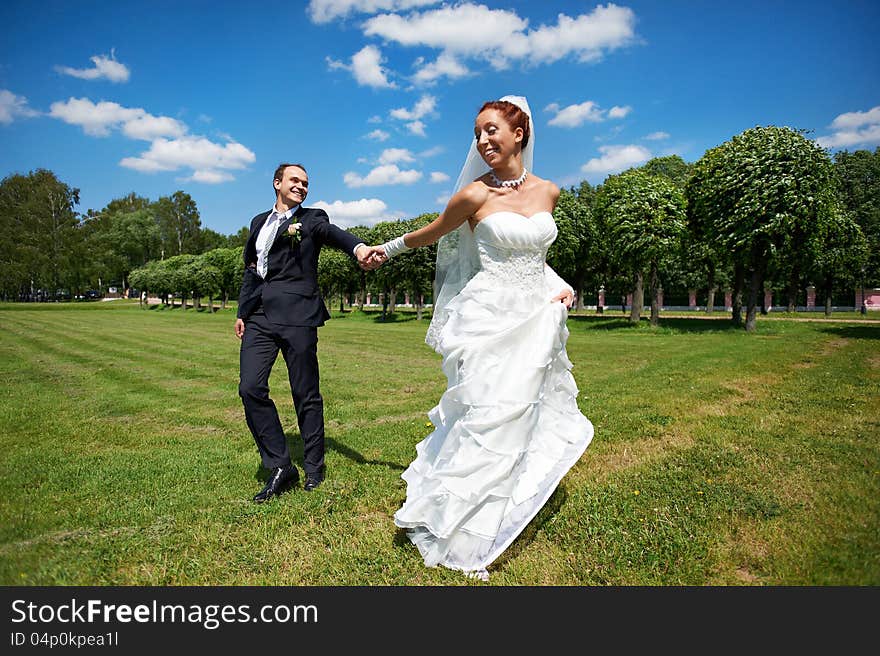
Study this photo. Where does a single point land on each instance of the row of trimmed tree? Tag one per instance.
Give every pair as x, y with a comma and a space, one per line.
767, 209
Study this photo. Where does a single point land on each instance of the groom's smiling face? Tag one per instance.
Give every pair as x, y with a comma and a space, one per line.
293, 187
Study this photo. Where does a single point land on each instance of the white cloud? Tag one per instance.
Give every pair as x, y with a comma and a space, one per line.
324, 11
366, 66
587, 37
148, 127
851, 120
378, 135
210, 177
445, 65
425, 105
105, 67
374, 119
500, 36
417, 128
209, 160
366, 211
97, 119
853, 129
386, 174
657, 136
466, 29
432, 152
442, 199
171, 148
438, 176
866, 136
615, 159
574, 116
393, 155
12, 106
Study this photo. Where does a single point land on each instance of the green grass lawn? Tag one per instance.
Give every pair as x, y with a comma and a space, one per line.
719, 457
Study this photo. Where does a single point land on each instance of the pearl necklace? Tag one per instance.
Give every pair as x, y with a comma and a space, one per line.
509, 183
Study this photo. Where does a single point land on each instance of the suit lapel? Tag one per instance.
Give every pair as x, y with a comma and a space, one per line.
251, 246
282, 228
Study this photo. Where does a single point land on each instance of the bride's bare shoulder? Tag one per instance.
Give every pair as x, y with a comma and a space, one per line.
471, 196
546, 187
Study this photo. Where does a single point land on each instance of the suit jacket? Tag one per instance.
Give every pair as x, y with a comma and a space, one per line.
290, 294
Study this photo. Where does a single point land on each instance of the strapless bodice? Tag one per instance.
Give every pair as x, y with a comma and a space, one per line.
513, 247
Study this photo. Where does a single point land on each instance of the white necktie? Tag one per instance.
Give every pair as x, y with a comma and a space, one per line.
263, 264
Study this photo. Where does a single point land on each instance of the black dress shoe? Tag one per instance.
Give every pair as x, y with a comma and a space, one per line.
313, 481
279, 480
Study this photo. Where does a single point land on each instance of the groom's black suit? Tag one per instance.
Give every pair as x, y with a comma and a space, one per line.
283, 313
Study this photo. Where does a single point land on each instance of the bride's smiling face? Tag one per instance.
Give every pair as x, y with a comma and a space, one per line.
496, 141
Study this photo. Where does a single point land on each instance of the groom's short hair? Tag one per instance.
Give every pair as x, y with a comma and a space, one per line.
279, 172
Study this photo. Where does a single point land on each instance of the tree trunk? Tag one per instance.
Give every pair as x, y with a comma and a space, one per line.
710, 275
739, 276
793, 290
638, 299
829, 283
419, 307
710, 299
210, 304
757, 284
579, 287
764, 309
225, 298
655, 298
393, 300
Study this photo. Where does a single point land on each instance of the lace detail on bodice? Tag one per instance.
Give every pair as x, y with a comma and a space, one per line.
513, 247
523, 269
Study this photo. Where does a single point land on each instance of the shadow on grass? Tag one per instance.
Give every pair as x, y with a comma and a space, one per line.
676, 324
524, 539
351, 454
853, 332
394, 317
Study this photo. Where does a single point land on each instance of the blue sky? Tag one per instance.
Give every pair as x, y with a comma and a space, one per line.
377, 97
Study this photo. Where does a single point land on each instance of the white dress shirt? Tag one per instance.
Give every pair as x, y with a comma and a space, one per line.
267, 232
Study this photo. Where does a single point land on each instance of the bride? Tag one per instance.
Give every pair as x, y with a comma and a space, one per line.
508, 427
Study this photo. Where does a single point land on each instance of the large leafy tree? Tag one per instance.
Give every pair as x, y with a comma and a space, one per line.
671, 167
842, 252
645, 217
179, 224
335, 274
358, 281
40, 238
227, 262
415, 269
575, 255
859, 177
761, 195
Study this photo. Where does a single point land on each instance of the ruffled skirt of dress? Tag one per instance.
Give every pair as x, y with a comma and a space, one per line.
506, 430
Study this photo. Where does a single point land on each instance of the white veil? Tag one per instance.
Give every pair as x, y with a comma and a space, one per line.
457, 257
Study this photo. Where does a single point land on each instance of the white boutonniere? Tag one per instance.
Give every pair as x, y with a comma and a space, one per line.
293, 231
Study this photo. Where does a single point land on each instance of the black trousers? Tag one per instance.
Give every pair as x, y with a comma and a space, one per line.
260, 345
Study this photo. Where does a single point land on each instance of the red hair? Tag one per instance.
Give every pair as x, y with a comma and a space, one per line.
513, 115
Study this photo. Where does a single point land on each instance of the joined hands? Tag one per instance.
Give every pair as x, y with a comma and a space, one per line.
371, 257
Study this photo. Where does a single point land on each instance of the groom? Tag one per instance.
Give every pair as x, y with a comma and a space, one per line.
280, 309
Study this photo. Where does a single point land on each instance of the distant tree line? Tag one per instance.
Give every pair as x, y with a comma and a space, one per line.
49, 251
767, 210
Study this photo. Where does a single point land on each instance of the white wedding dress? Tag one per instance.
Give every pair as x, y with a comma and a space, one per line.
508, 427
